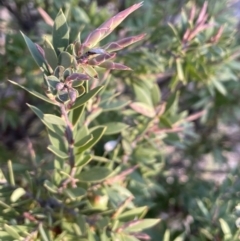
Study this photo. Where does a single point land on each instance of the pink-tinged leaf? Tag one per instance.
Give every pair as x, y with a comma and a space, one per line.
106, 28
101, 58
77, 76
59, 86
40, 49
89, 70
216, 38
142, 236
95, 36
122, 43
111, 65
72, 95
198, 30
77, 49
136, 226
204, 19
42, 52
186, 35
192, 13
143, 109
202, 13
97, 51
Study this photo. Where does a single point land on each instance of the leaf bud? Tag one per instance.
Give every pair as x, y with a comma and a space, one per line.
72, 95
59, 86
99, 201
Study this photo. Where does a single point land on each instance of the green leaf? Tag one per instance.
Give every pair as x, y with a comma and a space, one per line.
43, 233
11, 173
139, 225
75, 193
50, 186
67, 72
5, 236
172, 101
114, 127
219, 86
11, 231
63, 96
124, 237
52, 80
80, 15
174, 31
101, 159
165, 122
116, 105
202, 207
180, 72
86, 97
226, 229
6, 206
59, 129
75, 32
18, 167
58, 164
93, 115
66, 60
132, 214
57, 152
84, 140
60, 33
97, 134
36, 54
70, 47
50, 53
203, 231
156, 94
17, 193
59, 72
56, 140
95, 174
90, 71
79, 132
166, 236
81, 223
76, 114
78, 83
143, 94
182, 237
82, 161
53, 119
103, 234
90, 235
35, 93
173, 83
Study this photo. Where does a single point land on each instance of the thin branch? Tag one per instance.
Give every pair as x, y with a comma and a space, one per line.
48, 20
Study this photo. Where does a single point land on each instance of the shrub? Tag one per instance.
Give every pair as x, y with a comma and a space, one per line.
77, 195
164, 132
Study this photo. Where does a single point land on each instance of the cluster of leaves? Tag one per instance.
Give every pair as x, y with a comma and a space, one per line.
196, 58
77, 195
184, 84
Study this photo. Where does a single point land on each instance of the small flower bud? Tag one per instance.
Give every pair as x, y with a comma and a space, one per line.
110, 145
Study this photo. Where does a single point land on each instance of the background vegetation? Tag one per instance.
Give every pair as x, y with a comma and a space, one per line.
181, 103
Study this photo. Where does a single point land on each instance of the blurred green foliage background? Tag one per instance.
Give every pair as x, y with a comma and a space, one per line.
193, 59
